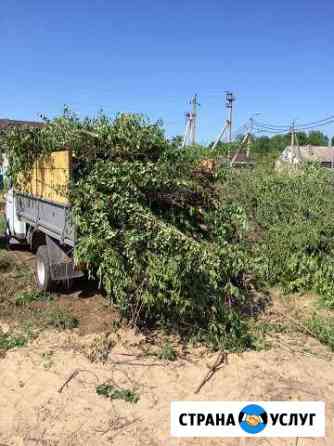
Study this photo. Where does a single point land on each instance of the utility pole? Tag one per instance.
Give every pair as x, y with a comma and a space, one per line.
194, 104
221, 134
191, 123
229, 105
228, 123
186, 132
293, 135
296, 153
250, 134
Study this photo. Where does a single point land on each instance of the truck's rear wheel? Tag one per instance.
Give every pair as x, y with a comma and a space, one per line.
43, 274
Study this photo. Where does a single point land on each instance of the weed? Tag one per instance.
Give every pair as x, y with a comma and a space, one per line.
29, 329
48, 359
6, 263
322, 329
9, 341
100, 348
116, 325
61, 319
113, 393
259, 331
28, 297
23, 273
167, 352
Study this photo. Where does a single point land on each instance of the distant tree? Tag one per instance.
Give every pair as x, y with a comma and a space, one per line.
176, 141
279, 142
317, 138
302, 138
225, 150
268, 148
262, 145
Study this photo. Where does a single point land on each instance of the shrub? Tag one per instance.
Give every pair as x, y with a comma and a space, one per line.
114, 393
9, 341
167, 352
100, 349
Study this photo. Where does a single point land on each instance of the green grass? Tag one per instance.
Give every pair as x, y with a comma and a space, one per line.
260, 330
114, 393
167, 352
9, 341
61, 319
322, 329
27, 297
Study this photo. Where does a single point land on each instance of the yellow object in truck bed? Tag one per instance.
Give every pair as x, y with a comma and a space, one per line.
49, 178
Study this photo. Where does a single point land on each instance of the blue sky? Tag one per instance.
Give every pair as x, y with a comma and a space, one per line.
151, 56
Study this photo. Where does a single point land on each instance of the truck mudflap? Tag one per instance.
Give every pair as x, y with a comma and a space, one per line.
62, 266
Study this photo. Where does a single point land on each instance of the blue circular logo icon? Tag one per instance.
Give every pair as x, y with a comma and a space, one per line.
253, 419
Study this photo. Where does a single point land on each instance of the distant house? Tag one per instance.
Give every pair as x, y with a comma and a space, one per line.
296, 155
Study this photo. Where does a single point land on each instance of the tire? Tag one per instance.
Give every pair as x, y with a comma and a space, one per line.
8, 245
43, 274
7, 237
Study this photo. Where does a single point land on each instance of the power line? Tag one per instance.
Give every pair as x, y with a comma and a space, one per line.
274, 132
278, 128
331, 118
316, 126
262, 129
267, 124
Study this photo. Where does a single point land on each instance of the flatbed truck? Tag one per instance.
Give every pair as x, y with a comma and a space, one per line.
38, 214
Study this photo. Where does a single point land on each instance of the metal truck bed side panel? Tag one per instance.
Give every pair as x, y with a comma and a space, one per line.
52, 218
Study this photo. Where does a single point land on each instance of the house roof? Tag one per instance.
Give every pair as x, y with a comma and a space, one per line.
313, 153
6, 123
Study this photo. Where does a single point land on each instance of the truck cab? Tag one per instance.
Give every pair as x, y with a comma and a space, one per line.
15, 227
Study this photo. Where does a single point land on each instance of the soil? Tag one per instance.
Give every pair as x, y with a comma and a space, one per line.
34, 411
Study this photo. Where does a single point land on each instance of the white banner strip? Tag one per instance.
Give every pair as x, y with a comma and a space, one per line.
248, 419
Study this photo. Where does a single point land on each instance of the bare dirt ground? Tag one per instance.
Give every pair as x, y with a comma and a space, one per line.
34, 412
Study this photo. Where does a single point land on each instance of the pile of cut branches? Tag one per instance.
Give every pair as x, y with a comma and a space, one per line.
291, 228
151, 224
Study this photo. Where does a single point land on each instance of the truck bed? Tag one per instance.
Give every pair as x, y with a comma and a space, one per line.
50, 217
